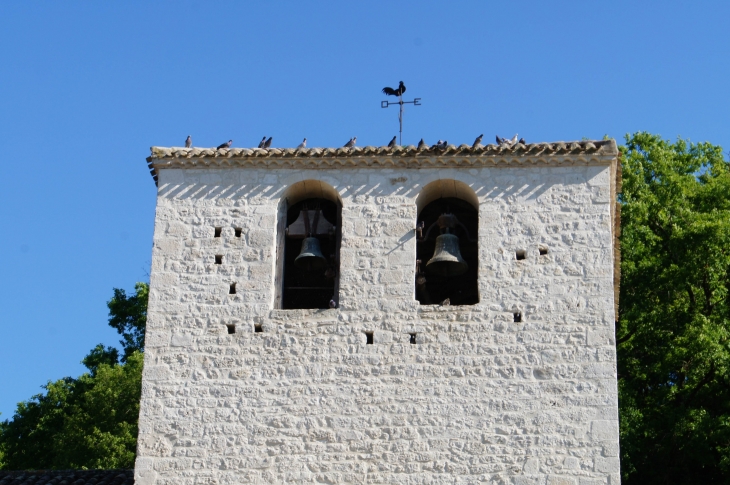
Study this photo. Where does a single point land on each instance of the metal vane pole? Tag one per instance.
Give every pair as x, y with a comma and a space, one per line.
415, 102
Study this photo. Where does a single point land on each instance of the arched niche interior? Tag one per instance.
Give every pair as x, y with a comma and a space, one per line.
299, 287
447, 207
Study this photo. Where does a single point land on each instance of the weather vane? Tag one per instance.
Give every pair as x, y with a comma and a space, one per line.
399, 93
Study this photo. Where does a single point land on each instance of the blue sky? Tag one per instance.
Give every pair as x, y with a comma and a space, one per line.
87, 87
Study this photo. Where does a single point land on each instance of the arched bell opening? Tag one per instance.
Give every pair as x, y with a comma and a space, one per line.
309, 247
447, 253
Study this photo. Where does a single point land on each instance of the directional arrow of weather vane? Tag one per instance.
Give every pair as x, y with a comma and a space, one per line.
398, 92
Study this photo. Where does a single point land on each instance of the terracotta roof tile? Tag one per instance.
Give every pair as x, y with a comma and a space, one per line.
403, 156
575, 147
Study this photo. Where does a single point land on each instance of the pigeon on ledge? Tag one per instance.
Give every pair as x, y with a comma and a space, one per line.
505, 143
188, 142
261, 143
225, 145
392, 142
303, 144
478, 141
421, 143
267, 143
351, 142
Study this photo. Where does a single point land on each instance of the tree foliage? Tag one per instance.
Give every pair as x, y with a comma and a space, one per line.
128, 315
91, 421
674, 320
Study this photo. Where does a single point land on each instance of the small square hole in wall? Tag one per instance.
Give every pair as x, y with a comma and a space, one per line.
218, 231
231, 327
369, 336
412, 338
521, 254
238, 231
258, 328
218, 259
543, 251
518, 317
232, 290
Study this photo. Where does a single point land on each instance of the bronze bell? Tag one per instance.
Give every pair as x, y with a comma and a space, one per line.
447, 260
310, 257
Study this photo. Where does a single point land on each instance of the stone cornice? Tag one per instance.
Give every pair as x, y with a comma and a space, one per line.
409, 157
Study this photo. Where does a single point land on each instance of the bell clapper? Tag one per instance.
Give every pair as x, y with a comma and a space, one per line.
331, 272
420, 277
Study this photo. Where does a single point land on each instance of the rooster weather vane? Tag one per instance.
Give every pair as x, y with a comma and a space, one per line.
399, 93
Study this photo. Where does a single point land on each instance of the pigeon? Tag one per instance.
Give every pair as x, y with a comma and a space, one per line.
522, 141
333, 304
478, 141
351, 142
446, 302
261, 143
443, 144
421, 143
395, 92
303, 144
438, 144
392, 142
225, 145
188, 142
505, 143
267, 143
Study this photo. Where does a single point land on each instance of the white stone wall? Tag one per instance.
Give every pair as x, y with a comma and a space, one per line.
478, 399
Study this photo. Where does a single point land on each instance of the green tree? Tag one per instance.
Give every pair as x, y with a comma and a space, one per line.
673, 333
128, 315
91, 421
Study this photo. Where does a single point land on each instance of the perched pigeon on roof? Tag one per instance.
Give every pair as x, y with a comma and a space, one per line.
478, 141
438, 144
395, 92
333, 304
188, 142
522, 141
421, 143
505, 143
392, 142
225, 145
351, 142
261, 143
303, 144
267, 143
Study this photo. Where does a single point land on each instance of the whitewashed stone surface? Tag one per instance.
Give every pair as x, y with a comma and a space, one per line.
479, 398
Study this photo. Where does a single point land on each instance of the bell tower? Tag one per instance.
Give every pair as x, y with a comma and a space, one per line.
383, 315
